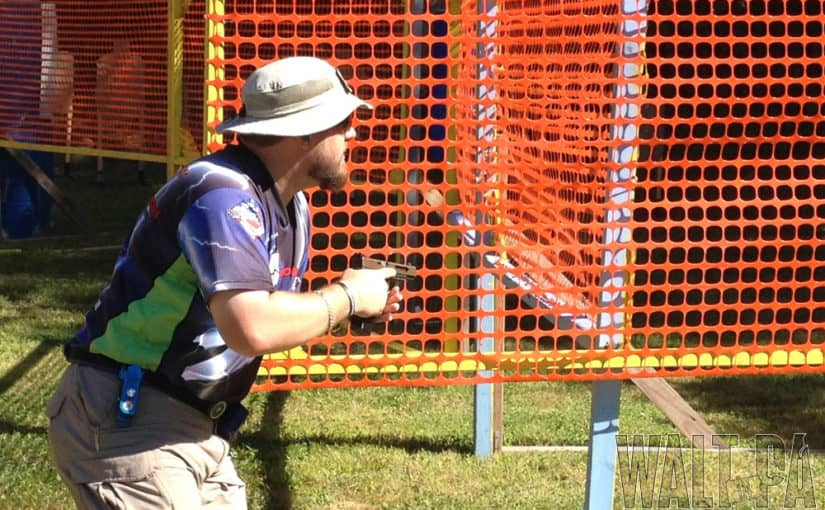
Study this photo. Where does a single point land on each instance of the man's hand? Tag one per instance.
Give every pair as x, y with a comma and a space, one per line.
372, 295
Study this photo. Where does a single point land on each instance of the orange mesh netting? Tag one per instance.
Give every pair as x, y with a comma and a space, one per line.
483, 165
194, 57
491, 164
587, 189
728, 221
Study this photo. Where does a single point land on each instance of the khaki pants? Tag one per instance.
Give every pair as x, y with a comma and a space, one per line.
167, 457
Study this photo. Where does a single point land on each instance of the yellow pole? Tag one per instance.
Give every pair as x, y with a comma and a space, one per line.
174, 83
212, 94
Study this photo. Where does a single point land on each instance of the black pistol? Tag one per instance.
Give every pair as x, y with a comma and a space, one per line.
403, 272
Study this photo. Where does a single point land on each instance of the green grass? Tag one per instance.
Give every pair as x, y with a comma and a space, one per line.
369, 448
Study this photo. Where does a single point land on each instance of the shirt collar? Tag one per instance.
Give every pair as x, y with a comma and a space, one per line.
251, 165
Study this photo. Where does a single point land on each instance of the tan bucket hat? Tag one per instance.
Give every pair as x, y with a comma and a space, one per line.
294, 96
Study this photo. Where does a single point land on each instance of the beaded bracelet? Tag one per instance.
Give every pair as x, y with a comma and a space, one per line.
330, 313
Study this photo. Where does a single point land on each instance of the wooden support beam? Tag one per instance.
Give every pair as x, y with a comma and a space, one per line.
43, 180
678, 411
498, 417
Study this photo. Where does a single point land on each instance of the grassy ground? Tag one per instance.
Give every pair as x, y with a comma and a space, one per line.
385, 448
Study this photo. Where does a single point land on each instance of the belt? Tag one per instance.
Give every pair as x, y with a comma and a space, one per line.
213, 410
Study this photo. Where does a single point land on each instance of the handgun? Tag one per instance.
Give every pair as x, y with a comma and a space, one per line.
402, 271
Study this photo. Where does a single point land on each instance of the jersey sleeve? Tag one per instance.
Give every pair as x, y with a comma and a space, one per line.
223, 235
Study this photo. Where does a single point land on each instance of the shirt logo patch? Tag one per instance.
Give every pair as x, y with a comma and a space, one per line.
248, 214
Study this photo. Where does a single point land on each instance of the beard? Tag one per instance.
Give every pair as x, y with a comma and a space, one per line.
329, 177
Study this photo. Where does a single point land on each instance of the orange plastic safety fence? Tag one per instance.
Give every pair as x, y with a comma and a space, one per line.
93, 75
728, 219
491, 164
483, 165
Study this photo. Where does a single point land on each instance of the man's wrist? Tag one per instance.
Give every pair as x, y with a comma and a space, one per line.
350, 297
331, 319
339, 301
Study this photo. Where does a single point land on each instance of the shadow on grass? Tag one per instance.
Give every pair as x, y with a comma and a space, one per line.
41, 261
272, 452
24, 384
771, 404
23, 366
32, 304
271, 449
7, 427
409, 445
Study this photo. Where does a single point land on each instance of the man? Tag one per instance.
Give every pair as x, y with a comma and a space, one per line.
209, 280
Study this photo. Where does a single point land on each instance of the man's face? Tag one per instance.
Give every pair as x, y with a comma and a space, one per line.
329, 166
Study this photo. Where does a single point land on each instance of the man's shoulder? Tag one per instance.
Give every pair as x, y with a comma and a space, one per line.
208, 174
232, 167
195, 181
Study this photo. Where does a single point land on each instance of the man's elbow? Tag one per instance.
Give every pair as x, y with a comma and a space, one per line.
251, 342
237, 317
248, 343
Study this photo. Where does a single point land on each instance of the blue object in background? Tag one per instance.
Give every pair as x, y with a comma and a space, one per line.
25, 209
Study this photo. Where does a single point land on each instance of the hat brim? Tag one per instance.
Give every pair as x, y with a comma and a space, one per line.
305, 122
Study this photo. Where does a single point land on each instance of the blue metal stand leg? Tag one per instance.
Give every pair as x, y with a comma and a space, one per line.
483, 408
601, 459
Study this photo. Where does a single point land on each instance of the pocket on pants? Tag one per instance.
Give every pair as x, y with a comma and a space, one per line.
85, 398
129, 494
124, 459
115, 441
55, 404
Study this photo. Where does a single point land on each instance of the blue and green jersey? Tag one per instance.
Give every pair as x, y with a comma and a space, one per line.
218, 225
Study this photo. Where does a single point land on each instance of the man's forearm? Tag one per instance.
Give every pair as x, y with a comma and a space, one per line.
259, 322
